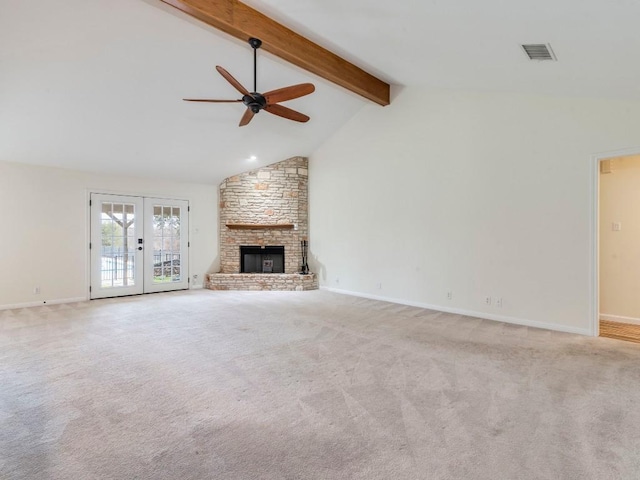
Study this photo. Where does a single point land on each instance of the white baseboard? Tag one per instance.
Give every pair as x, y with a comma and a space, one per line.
468, 313
43, 302
619, 318
62, 300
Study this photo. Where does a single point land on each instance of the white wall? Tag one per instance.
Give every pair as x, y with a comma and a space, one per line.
620, 249
475, 193
44, 233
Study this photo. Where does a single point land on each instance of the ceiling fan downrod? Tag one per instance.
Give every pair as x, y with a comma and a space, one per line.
255, 43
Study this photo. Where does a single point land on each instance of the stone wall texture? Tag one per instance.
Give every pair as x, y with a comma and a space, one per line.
275, 194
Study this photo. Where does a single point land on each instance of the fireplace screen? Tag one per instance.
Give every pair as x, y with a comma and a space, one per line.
257, 259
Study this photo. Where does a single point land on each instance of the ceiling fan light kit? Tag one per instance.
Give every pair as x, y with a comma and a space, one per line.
269, 101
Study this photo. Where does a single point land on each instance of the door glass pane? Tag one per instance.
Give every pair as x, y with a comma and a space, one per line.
117, 245
166, 244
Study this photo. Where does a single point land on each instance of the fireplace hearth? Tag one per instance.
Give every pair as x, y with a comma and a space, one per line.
261, 259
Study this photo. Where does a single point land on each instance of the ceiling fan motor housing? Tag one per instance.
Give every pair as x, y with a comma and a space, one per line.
255, 101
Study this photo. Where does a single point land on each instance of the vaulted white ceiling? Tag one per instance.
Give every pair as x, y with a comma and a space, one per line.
96, 85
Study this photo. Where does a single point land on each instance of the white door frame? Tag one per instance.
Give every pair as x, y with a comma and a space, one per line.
594, 237
90, 192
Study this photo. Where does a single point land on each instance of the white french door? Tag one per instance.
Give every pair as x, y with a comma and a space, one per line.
166, 238
138, 245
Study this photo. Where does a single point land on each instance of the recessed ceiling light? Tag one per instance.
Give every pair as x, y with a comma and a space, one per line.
252, 158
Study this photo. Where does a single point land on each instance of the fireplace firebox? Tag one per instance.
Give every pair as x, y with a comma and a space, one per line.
259, 259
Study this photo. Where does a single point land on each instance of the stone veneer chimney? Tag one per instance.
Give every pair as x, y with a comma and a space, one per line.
266, 206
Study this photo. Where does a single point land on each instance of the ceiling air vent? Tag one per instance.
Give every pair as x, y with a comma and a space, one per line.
539, 51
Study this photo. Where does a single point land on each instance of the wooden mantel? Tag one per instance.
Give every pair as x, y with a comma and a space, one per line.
260, 226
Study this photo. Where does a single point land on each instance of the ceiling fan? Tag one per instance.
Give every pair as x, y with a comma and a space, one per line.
263, 101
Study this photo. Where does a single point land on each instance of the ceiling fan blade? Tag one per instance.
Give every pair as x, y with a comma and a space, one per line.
229, 78
210, 101
286, 113
246, 118
289, 93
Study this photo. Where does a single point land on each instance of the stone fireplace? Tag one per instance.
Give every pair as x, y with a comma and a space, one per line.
263, 219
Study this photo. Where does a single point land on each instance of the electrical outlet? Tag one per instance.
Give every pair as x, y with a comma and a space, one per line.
498, 302
36, 290
487, 300
338, 280
449, 295
379, 286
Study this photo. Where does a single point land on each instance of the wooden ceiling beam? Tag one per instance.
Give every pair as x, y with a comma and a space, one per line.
244, 22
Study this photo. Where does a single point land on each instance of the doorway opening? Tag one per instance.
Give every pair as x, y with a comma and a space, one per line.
138, 245
617, 246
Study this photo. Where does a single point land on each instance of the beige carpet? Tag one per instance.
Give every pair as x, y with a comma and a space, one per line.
307, 385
